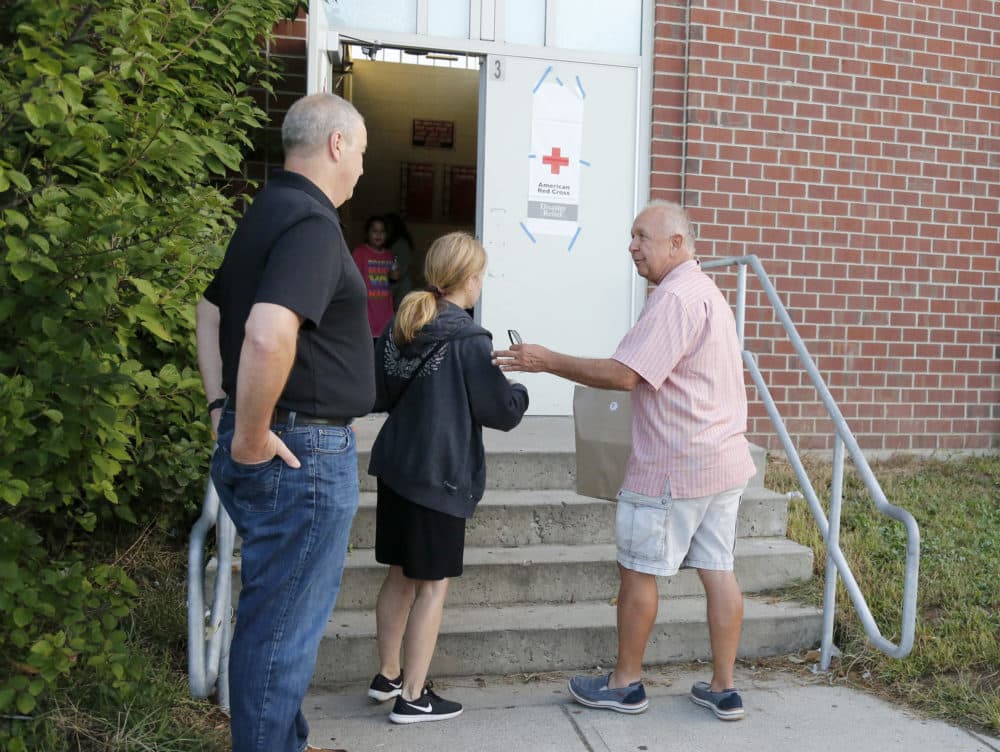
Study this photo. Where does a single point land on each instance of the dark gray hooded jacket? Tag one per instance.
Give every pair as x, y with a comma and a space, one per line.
430, 449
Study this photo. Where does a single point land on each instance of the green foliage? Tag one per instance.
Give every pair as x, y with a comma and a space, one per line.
91, 711
59, 618
120, 121
952, 670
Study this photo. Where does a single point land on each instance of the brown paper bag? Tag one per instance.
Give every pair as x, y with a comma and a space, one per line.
603, 422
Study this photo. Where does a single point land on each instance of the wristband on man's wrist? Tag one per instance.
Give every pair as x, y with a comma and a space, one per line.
216, 404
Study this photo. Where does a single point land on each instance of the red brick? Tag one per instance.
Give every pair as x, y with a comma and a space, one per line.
782, 42
296, 28
722, 35
857, 34
288, 46
737, 20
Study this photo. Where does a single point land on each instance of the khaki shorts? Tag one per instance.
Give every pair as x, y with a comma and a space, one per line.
660, 534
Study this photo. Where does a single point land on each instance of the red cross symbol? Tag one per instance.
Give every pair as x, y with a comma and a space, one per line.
556, 160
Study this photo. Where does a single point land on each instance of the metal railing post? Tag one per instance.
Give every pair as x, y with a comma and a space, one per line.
741, 302
197, 677
208, 655
225, 532
832, 543
844, 439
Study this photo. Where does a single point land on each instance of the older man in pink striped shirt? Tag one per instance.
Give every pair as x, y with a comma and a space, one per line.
690, 460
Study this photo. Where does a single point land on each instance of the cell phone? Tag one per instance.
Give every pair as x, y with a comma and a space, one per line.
515, 338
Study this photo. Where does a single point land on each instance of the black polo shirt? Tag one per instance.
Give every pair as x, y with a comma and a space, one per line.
289, 250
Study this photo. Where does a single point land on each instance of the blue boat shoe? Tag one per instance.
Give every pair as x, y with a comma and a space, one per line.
727, 704
593, 691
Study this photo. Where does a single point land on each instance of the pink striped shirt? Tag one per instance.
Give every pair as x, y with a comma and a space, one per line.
689, 413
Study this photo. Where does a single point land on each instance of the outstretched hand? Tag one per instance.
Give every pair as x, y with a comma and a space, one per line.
526, 358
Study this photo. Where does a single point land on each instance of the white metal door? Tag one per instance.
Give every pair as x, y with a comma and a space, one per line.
557, 173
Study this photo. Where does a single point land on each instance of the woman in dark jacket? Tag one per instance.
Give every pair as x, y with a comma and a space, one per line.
435, 378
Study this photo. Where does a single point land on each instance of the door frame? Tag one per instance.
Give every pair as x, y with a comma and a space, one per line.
324, 45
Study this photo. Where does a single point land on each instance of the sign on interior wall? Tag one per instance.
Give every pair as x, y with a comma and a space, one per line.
459, 197
435, 134
416, 191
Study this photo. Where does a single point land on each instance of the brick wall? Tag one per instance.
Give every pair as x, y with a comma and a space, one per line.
288, 48
854, 146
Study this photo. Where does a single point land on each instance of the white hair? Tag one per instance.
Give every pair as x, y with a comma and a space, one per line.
310, 121
675, 220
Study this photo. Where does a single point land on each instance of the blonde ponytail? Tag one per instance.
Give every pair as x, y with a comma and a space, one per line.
417, 309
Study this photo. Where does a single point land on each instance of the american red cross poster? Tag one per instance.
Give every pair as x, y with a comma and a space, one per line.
554, 159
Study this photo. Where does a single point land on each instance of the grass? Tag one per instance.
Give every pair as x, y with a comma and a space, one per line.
85, 715
953, 671
162, 718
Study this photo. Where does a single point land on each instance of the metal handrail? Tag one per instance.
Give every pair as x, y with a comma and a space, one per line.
844, 438
209, 634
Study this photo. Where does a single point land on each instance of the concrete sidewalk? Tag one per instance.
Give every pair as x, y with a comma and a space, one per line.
787, 711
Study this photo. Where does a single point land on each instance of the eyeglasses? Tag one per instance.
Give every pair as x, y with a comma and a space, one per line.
515, 338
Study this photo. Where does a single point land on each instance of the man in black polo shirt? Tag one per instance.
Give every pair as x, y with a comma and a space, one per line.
284, 345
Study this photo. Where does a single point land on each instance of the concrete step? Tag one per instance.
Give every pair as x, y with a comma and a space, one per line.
521, 518
531, 523
516, 639
560, 516
759, 455
508, 470
539, 454
565, 574
558, 573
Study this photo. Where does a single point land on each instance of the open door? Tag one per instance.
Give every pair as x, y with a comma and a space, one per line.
557, 174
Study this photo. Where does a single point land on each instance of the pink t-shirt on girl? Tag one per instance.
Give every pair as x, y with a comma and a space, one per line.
374, 266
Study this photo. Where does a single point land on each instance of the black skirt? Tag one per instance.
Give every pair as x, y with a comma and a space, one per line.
427, 544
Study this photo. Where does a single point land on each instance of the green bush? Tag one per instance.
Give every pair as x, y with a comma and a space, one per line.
120, 121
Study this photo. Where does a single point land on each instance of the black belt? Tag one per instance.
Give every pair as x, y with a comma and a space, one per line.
281, 415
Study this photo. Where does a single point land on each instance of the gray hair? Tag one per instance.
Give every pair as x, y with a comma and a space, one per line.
310, 121
675, 220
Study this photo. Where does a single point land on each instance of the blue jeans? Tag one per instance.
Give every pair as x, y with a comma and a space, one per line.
294, 526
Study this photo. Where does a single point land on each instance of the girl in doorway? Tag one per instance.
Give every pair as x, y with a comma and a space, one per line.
374, 261
435, 377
